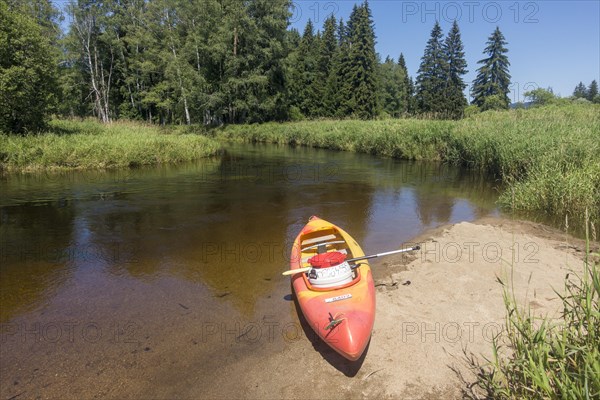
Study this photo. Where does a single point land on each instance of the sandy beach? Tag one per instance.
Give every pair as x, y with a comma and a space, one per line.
433, 307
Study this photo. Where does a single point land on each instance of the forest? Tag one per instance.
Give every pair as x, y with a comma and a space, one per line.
216, 62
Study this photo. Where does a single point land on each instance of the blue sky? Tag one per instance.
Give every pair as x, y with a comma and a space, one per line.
551, 43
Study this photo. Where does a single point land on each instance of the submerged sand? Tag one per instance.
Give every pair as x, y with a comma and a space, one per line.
433, 307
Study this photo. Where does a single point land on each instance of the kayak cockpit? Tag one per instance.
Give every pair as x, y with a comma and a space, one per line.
326, 252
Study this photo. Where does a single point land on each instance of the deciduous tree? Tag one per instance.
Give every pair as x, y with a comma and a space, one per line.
28, 72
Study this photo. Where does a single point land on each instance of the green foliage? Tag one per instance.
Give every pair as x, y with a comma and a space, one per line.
493, 78
408, 89
493, 102
471, 110
592, 91
304, 82
456, 68
393, 92
402, 138
174, 61
361, 65
342, 71
540, 96
328, 57
254, 79
581, 100
295, 114
432, 74
440, 84
234, 61
28, 73
312, 66
90, 145
580, 91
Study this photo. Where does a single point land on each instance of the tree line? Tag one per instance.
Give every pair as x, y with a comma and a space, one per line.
224, 61
589, 93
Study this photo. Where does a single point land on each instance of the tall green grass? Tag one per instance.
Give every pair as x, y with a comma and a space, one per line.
548, 359
547, 157
409, 139
89, 144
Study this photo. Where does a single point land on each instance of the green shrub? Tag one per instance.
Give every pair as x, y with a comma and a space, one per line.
471, 110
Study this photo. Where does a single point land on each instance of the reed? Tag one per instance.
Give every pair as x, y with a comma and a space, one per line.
539, 358
89, 145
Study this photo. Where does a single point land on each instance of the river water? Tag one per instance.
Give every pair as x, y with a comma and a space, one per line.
106, 275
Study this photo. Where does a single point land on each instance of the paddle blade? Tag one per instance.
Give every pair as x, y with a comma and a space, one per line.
296, 271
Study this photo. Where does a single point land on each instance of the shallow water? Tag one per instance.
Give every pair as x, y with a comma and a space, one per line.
124, 263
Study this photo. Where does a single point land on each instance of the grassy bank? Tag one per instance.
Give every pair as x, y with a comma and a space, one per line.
89, 144
542, 358
548, 157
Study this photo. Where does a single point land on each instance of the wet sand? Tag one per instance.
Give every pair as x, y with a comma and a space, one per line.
431, 307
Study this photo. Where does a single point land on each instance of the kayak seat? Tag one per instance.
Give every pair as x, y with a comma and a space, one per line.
322, 246
318, 239
305, 259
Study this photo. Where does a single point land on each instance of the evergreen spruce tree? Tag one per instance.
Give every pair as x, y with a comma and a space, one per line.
342, 68
491, 86
303, 72
326, 82
314, 88
432, 74
407, 91
592, 91
307, 67
456, 68
292, 73
271, 20
362, 72
580, 91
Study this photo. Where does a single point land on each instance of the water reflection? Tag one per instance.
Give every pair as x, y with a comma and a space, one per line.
36, 253
226, 223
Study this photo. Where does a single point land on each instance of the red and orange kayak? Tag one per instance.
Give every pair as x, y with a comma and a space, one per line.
338, 301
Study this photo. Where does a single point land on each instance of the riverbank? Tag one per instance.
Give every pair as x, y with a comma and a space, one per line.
547, 157
449, 299
83, 145
435, 310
